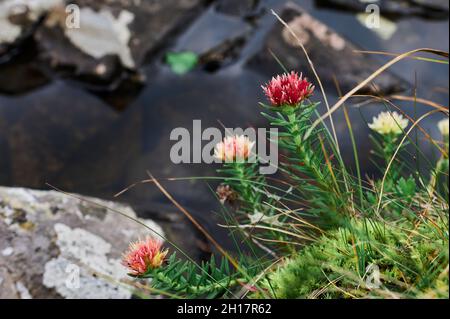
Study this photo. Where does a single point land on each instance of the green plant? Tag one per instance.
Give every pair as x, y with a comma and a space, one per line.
333, 231
412, 261
186, 280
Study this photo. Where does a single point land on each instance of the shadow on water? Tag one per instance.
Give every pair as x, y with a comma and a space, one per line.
61, 134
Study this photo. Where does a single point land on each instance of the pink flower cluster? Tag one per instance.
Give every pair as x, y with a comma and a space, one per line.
143, 256
234, 148
288, 89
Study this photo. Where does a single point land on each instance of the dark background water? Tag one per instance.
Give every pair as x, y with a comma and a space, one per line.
63, 135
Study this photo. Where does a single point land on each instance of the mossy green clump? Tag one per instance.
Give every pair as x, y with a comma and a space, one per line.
412, 260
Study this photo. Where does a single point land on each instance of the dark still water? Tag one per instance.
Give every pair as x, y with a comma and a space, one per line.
61, 134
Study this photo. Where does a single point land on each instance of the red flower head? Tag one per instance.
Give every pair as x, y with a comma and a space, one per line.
143, 256
288, 89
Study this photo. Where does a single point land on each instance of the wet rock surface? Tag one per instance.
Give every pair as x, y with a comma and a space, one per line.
334, 56
56, 246
430, 9
130, 30
153, 24
106, 55
107, 49
247, 9
20, 66
216, 38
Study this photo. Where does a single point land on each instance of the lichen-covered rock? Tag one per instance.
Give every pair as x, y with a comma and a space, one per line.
19, 17
101, 44
19, 20
128, 29
56, 246
333, 56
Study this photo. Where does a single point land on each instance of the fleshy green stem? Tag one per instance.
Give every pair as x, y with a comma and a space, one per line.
194, 290
304, 154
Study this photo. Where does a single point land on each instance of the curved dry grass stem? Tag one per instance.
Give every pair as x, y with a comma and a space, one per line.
368, 80
108, 208
279, 230
425, 133
311, 64
116, 211
440, 107
396, 54
196, 224
395, 156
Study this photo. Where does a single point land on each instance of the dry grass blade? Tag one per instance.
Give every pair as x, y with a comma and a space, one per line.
438, 106
273, 229
196, 224
416, 123
424, 132
368, 80
311, 64
413, 99
395, 54
116, 211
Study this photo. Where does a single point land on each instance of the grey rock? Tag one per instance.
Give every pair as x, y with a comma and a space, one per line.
56, 246
333, 56
8, 289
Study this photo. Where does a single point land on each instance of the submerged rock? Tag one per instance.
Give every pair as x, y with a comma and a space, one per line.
247, 9
19, 74
394, 9
333, 56
130, 30
215, 38
56, 246
106, 49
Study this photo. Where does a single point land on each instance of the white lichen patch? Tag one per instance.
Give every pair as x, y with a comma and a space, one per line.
62, 275
101, 34
23, 291
8, 251
35, 7
20, 195
9, 32
87, 252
